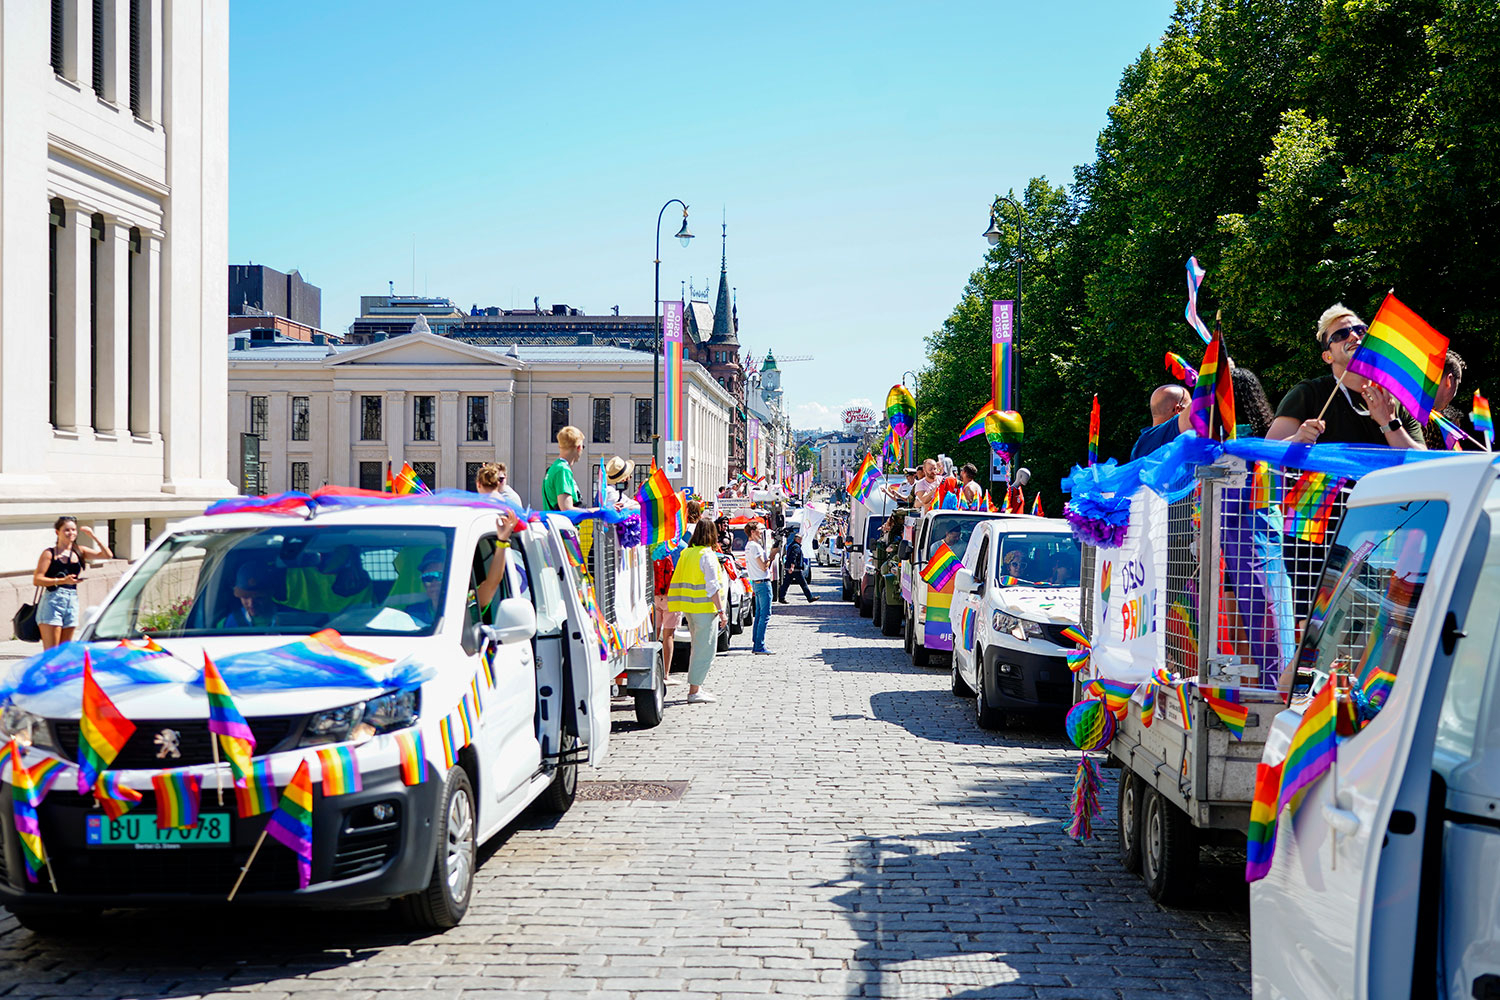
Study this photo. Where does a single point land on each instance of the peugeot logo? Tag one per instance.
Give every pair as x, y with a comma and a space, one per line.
168, 743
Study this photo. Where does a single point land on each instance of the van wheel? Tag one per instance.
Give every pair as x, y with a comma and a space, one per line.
848, 587
920, 654
1128, 820
985, 714
907, 631
1169, 851
650, 705
724, 638
446, 899
558, 797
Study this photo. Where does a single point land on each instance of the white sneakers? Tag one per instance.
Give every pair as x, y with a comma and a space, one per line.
701, 697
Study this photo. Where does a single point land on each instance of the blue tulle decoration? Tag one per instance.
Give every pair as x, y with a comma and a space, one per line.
1098, 521
63, 664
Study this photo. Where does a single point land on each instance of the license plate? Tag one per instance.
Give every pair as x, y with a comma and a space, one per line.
141, 831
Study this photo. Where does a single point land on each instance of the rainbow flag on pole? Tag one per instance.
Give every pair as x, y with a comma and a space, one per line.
865, 478
224, 719
975, 426
102, 731
1260, 835
1213, 390
1479, 416
1179, 368
662, 507
291, 823
24, 800
1405, 355
1094, 431
941, 567
177, 796
406, 482
1453, 435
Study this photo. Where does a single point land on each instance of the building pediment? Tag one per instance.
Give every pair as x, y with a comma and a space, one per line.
423, 349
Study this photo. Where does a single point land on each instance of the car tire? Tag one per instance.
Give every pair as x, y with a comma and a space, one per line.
444, 902
920, 654
960, 686
908, 630
890, 621
725, 636
559, 796
58, 921
1169, 851
866, 605
848, 594
987, 716
1128, 820
651, 705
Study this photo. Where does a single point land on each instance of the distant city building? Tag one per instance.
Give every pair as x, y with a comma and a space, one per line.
838, 454
272, 293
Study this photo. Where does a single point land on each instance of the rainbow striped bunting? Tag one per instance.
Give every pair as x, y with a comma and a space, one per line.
225, 720
291, 823
1159, 681
1264, 483
340, 771
1075, 635
449, 741
1077, 659
102, 732
1116, 694
1260, 835
1314, 745
258, 795
114, 796
177, 795
1401, 352
941, 567
413, 751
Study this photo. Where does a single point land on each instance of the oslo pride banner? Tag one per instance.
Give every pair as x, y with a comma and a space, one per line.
1129, 591
1002, 369
671, 327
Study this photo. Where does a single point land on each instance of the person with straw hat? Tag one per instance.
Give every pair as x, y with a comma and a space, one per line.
617, 472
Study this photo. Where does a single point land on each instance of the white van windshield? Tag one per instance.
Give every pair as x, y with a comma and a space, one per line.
1038, 559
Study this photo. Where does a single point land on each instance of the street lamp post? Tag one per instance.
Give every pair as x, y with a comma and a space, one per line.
683, 235
916, 412
993, 234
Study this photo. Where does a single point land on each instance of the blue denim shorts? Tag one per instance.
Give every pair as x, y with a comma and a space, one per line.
58, 606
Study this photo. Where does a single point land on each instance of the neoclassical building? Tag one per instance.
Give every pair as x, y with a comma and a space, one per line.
334, 414
113, 270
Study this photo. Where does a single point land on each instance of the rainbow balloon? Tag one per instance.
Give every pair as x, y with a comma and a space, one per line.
1004, 430
900, 410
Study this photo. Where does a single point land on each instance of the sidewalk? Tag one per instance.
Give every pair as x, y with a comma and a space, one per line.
15, 649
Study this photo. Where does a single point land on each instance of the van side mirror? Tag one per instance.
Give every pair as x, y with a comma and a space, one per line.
515, 621
964, 581
904, 551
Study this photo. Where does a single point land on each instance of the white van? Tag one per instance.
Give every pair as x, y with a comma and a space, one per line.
517, 702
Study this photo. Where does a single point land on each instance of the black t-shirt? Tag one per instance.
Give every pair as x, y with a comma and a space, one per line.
1343, 424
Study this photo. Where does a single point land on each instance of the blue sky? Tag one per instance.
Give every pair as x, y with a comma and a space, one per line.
526, 148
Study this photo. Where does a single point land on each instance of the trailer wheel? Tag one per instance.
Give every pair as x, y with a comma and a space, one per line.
1169, 851
1128, 820
985, 714
877, 607
446, 899
848, 586
650, 705
890, 622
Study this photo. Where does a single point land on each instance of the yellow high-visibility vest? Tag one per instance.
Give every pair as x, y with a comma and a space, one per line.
688, 591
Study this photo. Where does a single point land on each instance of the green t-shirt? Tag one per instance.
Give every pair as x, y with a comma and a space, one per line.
1345, 425
558, 483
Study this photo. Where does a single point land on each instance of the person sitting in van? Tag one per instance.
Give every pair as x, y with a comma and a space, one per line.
336, 583
253, 587
427, 610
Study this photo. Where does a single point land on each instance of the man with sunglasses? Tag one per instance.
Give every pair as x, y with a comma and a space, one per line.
1360, 412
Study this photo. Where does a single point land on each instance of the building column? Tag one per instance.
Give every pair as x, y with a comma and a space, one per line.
502, 423
449, 428
73, 359
145, 373
113, 417
278, 434
395, 427
341, 426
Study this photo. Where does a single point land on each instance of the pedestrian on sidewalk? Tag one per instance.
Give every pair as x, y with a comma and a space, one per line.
57, 572
758, 567
697, 591
794, 571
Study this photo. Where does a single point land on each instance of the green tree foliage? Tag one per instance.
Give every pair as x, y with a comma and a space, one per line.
1307, 152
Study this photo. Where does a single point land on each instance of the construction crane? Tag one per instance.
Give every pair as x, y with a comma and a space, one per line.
793, 357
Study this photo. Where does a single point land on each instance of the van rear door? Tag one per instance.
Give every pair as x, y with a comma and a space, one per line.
590, 668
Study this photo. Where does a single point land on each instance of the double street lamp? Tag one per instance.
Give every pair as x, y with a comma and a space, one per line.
683, 237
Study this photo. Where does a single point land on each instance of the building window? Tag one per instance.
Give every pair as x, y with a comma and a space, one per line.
372, 476
301, 419
59, 29
96, 243
369, 418
137, 105
427, 472
133, 341
601, 421
643, 421
300, 477
423, 418
471, 476
259, 416
56, 220
559, 416
99, 47
477, 422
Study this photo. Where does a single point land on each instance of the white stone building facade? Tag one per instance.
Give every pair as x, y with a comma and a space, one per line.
336, 415
113, 256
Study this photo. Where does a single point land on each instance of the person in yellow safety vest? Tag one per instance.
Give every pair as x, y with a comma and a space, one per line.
698, 591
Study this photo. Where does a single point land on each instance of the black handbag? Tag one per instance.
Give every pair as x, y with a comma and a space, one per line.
24, 621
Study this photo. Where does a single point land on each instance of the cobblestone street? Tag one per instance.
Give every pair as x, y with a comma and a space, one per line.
846, 830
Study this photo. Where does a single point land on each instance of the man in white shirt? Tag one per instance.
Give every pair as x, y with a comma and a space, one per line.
758, 564
926, 487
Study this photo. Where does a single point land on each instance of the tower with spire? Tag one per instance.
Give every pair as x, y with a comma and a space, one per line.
715, 344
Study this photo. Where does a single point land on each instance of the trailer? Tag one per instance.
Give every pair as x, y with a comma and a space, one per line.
617, 585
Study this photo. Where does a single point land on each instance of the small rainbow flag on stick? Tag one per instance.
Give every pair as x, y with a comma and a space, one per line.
413, 751
1479, 416
1453, 435
115, 797
662, 508
941, 567
1233, 716
258, 794
25, 797
975, 426
1314, 745
1402, 353
225, 720
1036, 505
1094, 431
866, 477
102, 731
177, 795
1213, 390
291, 825
406, 481
1309, 505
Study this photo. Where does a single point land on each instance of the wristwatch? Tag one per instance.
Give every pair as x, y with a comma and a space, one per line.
1394, 425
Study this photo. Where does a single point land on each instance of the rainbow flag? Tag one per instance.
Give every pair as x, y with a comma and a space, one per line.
866, 478
1377, 687
406, 482
672, 384
258, 795
1309, 504
115, 797
43, 774
1116, 694
941, 567
1260, 835
1159, 681
413, 751
449, 742
900, 410
1314, 745
1094, 431
1180, 692
975, 426
1264, 491
147, 647
177, 794
1181, 370
24, 801
1405, 355
1213, 390
235, 737
1077, 659
1195, 273
1233, 716
966, 626
102, 732
291, 823
1479, 416
662, 508
1453, 435
1036, 505
1075, 635
340, 771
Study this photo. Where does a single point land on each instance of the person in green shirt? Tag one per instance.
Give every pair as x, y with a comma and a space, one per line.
559, 491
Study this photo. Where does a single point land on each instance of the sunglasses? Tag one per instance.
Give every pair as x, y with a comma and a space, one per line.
1339, 336
432, 577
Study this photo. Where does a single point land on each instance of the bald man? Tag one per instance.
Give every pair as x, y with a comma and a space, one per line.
1168, 405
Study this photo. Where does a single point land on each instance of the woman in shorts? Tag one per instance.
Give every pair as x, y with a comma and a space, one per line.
57, 571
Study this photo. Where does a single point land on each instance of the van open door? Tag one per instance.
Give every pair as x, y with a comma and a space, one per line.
590, 670
1349, 906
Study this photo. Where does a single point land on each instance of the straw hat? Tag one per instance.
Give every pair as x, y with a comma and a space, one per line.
617, 470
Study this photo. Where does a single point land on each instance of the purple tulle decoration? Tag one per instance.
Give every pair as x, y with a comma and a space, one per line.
1099, 522
629, 532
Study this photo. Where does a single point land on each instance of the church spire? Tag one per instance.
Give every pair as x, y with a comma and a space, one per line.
724, 325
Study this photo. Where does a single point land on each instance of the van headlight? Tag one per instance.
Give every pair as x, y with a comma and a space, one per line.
1021, 628
25, 728
362, 720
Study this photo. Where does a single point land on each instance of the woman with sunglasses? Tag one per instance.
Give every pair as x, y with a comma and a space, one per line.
1360, 411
